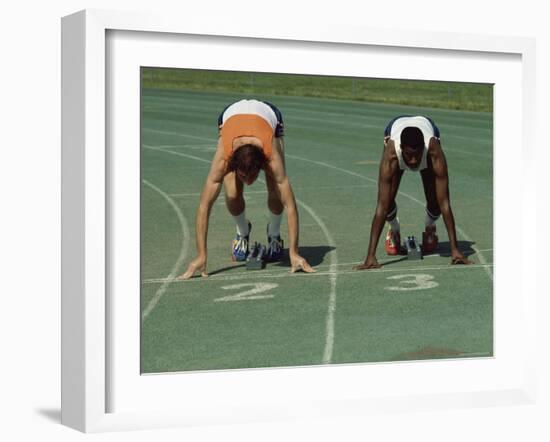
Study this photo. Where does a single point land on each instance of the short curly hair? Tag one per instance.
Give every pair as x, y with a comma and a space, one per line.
412, 137
248, 160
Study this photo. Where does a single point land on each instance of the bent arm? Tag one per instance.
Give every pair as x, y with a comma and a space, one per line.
276, 171
382, 206
209, 194
439, 164
289, 203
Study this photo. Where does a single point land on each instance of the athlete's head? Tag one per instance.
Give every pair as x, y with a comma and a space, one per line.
246, 162
412, 146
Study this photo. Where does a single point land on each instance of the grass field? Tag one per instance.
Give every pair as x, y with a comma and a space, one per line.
439, 94
236, 318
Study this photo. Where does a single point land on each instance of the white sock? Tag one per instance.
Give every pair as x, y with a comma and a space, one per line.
242, 224
394, 224
430, 220
274, 226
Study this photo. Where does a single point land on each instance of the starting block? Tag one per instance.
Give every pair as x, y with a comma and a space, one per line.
413, 248
256, 258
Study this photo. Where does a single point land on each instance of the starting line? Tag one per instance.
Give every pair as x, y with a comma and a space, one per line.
283, 274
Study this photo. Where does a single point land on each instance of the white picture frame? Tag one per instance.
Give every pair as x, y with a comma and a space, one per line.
87, 204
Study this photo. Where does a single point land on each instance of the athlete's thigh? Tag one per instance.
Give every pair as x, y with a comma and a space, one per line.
232, 186
428, 182
396, 181
271, 185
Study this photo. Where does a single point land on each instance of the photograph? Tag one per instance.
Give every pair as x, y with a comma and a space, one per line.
302, 220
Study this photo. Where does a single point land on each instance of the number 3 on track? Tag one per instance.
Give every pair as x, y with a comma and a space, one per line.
254, 293
415, 282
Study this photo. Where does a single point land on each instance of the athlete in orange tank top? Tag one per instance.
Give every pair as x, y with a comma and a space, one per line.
251, 140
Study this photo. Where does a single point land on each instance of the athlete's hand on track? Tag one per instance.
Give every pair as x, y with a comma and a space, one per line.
299, 263
459, 258
197, 265
370, 263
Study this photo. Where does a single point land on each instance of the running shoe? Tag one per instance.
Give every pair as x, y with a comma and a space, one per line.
239, 246
274, 247
393, 243
429, 240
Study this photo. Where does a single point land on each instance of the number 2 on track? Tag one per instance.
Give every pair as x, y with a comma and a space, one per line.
253, 293
416, 282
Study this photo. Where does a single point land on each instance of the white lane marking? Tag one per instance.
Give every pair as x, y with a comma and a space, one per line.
264, 192
283, 274
416, 281
448, 149
329, 342
365, 125
178, 134
183, 195
186, 146
248, 295
185, 155
358, 124
382, 261
208, 148
334, 262
480, 255
333, 272
412, 198
181, 258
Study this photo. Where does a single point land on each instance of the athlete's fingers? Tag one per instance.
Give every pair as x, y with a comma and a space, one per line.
367, 266
188, 273
301, 264
461, 260
307, 268
295, 267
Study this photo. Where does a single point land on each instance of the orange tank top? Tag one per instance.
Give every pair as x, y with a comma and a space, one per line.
246, 125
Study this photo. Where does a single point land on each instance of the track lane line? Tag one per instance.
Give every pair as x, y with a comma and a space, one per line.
329, 336
181, 258
285, 273
412, 198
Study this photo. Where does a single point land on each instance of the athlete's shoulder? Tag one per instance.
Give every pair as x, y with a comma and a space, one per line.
434, 146
389, 156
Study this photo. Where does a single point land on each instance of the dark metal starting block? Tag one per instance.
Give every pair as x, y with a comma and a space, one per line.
256, 257
413, 248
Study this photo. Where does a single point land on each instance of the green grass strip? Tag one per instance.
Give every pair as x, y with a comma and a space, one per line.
435, 94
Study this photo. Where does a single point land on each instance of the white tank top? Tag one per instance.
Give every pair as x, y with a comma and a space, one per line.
253, 107
421, 123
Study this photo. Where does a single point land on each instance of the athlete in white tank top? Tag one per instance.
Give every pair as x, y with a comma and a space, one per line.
412, 143
427, 129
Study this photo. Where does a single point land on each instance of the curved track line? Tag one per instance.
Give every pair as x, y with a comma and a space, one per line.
333, 268
412, 198
333, 274
179, 134
329, 341
183, 252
